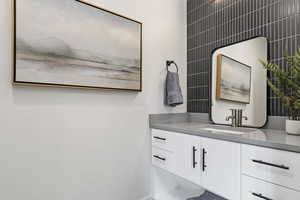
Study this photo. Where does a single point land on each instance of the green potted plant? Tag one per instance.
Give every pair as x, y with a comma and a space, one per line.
286, 85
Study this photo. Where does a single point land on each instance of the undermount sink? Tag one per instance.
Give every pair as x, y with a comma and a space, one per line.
230, 130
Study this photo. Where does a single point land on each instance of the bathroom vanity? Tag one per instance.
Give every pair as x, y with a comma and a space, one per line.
234, 159
248, 164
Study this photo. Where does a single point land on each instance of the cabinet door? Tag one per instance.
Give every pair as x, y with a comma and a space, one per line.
278, 167
255, 189
187, 158
221, 168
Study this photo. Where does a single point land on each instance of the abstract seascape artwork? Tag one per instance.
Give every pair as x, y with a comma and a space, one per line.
233, 80
72, 43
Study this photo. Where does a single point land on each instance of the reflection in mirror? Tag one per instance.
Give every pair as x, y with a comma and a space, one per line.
233, 88
239, 84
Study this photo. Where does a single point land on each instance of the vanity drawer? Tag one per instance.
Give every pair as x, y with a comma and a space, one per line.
254, 189
163, 159
279, 167
164, 139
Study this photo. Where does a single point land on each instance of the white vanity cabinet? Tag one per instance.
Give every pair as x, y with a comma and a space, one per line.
187, 156
177, 153
270, 174
221, 168
278, 167
254, 189
232, 170
212, 164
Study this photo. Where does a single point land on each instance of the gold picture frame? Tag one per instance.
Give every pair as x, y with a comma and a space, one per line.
15, 80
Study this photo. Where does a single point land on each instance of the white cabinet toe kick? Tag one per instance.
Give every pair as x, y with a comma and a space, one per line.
232, 170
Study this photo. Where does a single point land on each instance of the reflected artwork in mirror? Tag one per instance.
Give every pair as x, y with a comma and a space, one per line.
239, 82
233, 80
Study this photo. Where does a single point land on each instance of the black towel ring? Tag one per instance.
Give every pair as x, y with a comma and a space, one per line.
169, 63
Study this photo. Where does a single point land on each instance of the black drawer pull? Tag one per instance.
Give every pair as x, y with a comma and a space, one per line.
160, 158
261, 196
203, 159
194, 157
159, 138
271, 164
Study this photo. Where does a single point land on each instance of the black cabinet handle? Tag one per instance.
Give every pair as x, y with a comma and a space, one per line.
194, 157
271, 164
204, 152
260, 196
160, 158
159, 138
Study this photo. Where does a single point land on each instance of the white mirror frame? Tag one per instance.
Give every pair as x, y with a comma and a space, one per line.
249, 52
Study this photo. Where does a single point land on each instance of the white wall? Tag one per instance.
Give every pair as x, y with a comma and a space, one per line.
68, 144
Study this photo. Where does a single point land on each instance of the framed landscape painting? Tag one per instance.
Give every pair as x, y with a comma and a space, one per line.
73, 43
233, 80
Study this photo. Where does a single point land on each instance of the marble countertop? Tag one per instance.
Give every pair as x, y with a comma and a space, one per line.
269, 138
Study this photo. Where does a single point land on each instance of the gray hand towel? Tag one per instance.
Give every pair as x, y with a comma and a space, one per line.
173, 94
208, 196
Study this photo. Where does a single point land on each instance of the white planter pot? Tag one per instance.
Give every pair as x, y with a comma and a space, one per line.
292, 127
